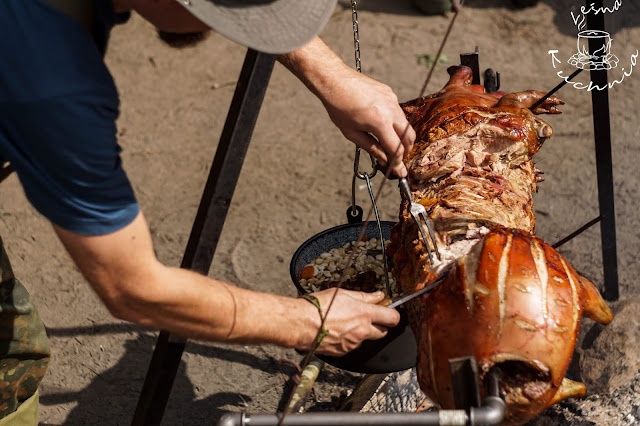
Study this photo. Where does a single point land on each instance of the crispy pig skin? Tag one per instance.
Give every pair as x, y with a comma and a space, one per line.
511, 298
508, 298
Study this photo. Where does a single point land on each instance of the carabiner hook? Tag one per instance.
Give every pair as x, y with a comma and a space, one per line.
356, 167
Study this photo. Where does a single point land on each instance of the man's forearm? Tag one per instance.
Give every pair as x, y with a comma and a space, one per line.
317, 66
194, 306
135, 286
122, 268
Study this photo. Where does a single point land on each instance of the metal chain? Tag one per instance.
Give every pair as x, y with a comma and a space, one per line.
356, 49
357, 173
356, 36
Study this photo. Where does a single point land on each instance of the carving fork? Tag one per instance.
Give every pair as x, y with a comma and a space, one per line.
419, 214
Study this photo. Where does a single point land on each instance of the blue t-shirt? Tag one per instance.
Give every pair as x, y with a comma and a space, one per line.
58, 107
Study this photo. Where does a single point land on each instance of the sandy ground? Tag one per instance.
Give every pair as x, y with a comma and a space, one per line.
295, 183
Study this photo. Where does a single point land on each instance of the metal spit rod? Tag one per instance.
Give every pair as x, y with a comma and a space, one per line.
490, 413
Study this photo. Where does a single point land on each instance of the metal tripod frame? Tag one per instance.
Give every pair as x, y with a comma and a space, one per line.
216, 199
604, 162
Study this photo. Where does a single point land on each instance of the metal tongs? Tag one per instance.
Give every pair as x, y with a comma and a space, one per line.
419, 214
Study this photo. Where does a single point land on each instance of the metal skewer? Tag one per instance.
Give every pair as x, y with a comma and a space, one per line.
577, 232
555, 89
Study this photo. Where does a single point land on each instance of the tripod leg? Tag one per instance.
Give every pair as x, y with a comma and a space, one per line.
207, 227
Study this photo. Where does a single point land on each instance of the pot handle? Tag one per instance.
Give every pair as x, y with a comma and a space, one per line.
354, 218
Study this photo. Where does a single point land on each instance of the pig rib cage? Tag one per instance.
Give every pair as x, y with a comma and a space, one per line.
229, 157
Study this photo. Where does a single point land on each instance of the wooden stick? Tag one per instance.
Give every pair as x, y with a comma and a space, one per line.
303, 390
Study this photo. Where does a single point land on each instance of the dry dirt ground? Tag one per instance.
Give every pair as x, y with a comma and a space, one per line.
296, 182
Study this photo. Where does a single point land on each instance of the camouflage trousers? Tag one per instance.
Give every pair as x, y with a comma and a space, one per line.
24, 346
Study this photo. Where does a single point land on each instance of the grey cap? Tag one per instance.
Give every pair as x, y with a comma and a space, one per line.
270, 26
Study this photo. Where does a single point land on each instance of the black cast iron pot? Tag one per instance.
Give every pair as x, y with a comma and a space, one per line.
397, 350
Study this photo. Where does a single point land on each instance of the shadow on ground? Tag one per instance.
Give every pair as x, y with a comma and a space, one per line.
112, 396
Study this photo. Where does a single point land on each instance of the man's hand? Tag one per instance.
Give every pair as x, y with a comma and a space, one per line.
365, 110
368, 114
353, 318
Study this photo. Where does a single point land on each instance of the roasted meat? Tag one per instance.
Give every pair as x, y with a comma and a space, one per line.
508, 298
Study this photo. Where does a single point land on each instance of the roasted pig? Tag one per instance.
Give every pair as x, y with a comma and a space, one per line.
508, 298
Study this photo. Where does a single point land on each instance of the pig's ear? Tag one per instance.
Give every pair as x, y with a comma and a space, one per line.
569, 389
594, 305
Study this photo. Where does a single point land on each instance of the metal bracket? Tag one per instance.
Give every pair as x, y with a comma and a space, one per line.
472, 61
491, 80
464, 377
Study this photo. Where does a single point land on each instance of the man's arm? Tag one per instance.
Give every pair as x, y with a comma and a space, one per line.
123, 270
365, 110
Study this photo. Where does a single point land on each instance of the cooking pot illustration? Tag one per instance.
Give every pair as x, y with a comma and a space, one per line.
601, 58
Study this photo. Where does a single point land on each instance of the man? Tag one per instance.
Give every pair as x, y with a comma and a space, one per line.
58, 107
